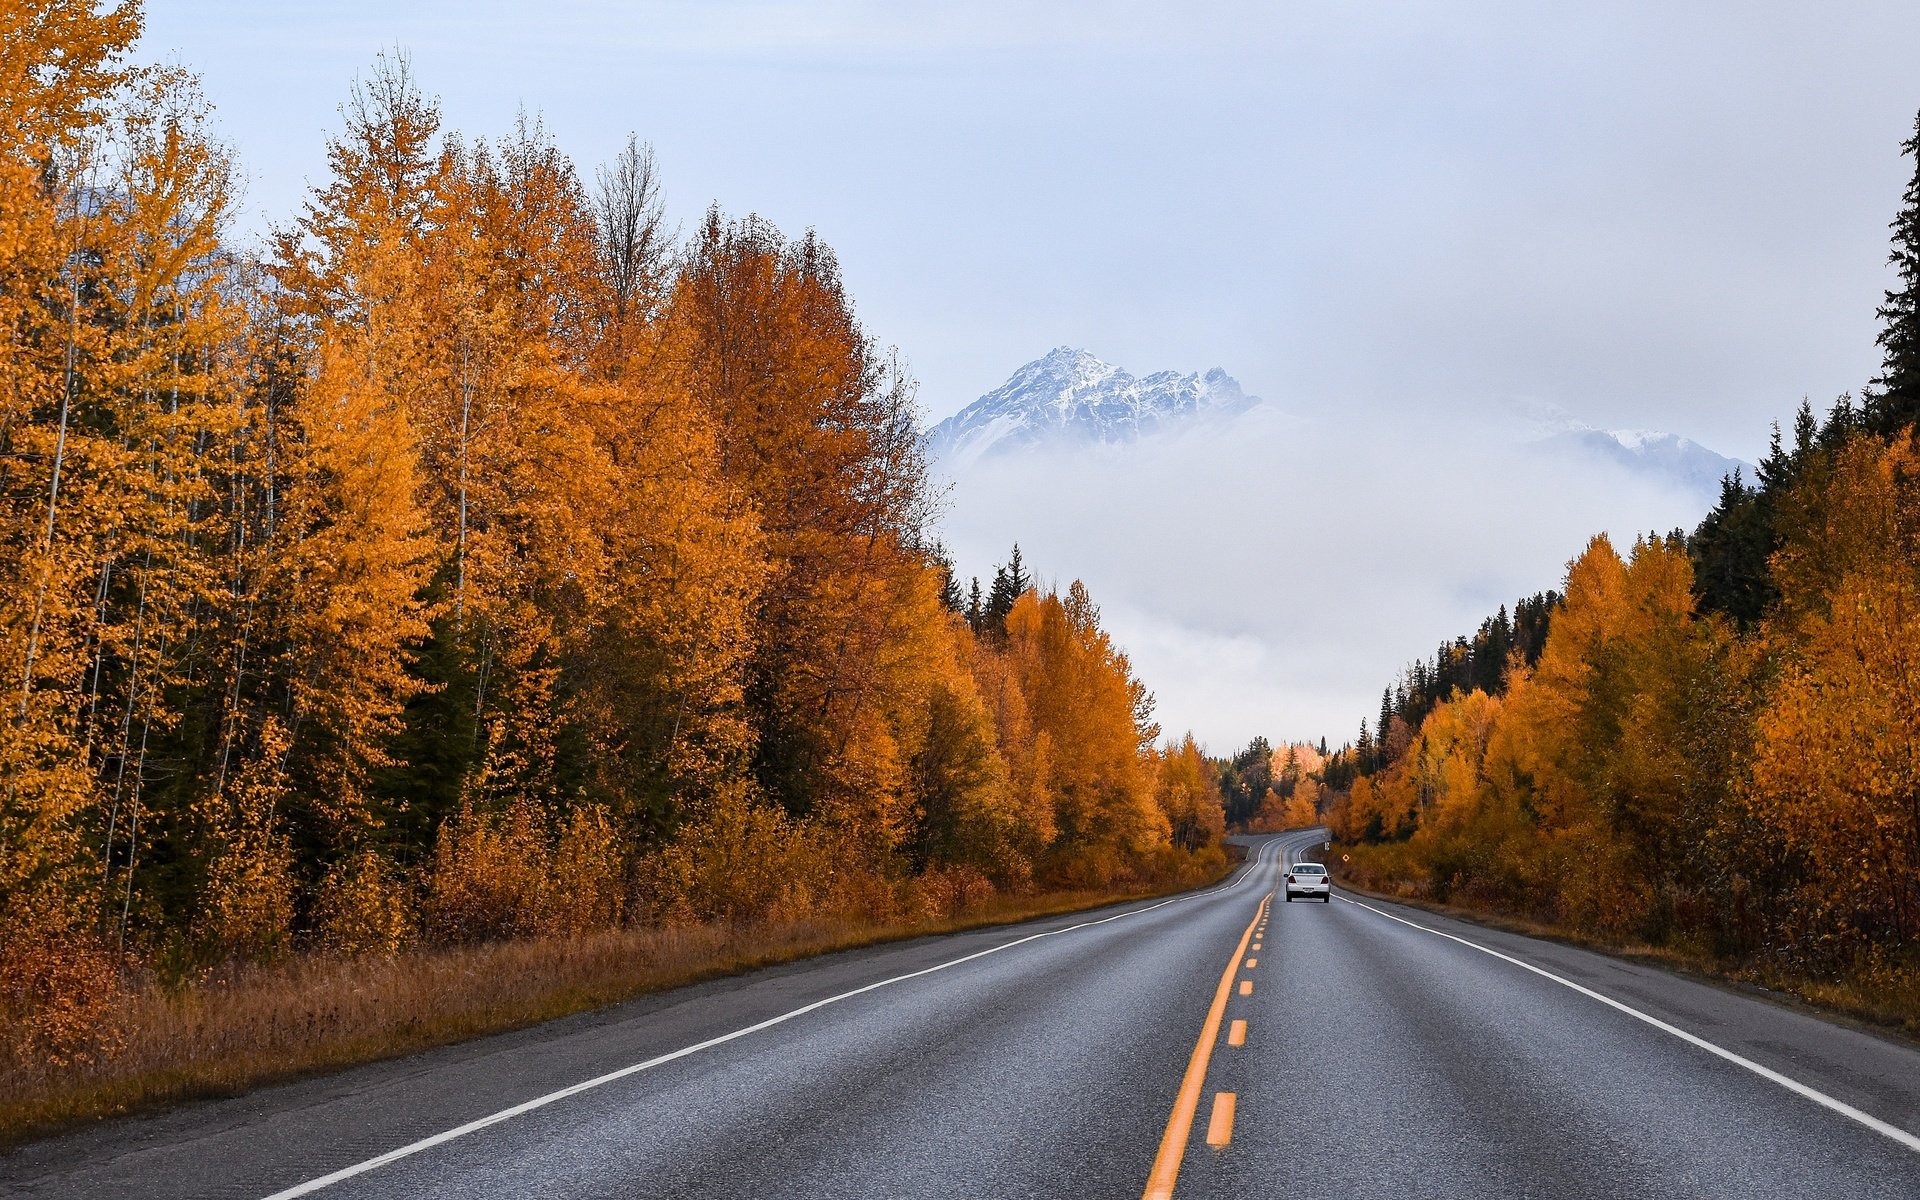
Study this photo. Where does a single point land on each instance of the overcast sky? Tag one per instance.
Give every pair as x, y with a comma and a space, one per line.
1666, 215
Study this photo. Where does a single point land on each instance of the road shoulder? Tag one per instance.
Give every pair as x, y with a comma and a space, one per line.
1864, 1066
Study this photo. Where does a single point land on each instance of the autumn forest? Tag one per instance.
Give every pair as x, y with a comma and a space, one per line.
487, 581
482, 560
1706, 743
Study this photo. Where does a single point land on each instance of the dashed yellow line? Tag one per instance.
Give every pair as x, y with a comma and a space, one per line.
1246, 987
1220, 1126
1252, 963
1237, 1034
1173, 1143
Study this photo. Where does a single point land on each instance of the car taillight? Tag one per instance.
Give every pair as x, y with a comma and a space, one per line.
1289, 879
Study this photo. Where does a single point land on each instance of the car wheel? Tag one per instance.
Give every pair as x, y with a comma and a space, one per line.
1289, 897
1327, 899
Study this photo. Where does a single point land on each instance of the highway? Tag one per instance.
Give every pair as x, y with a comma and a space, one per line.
1222, 1043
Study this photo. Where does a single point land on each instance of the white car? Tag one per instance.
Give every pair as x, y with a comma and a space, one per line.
1309, 879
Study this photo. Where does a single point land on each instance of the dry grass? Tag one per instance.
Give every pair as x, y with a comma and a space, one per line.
315, 1013
1887, 998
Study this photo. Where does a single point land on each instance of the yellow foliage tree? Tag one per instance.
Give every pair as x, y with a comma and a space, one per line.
1834, 767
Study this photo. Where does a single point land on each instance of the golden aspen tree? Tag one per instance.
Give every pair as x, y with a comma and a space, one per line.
1188, 793
352, 580
1835, 776
247, 902
165, 406
358, 546
1081, 693
60, 77
819, 431
1027, 753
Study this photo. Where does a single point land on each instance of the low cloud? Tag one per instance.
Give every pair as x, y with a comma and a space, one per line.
1269, 576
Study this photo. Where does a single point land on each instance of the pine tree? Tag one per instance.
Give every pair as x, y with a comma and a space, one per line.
1386, 721
1776, 469
1893, 401
1730, 549
1806, 435
1017, 577
1010, 582
1844, 420
950, 596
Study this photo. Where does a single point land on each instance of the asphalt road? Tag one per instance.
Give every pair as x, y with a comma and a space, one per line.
1364, 1051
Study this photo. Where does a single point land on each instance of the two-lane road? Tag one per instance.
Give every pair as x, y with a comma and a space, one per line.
1218, 1044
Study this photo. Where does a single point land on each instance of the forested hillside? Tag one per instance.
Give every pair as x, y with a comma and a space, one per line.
481, 560
1711, 741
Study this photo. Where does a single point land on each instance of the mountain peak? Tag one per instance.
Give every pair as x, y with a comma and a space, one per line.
1069, 394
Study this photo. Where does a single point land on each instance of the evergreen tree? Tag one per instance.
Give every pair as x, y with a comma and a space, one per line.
1245, 781
1776, 469
950, 596
1893, 402
1844, 420
1017, 576
1730, 550
1531, 617
1806, 436
1010, 582
976, 607
1490, 651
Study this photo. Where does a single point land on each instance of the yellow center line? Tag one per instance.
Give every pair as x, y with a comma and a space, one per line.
1252, 963
1237, 1034
1173, 1143
1246, 987
1220, 1126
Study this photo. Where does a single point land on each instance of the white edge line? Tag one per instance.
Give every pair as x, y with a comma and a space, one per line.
427, 1143
1819, 1097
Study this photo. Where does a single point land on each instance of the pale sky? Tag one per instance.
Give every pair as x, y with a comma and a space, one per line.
1663, 215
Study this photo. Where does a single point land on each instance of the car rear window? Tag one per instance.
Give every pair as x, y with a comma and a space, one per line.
1309, 869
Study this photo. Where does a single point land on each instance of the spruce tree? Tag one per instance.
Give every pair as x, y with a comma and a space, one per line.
1844, 420
1893, 400
949, 581
1010, 582
1017, 576
1776, 469
1806, 436
1000, 598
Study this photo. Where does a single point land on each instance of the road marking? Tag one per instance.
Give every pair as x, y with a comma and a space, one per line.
1256, 946
427, 1143
1173, 1143
1910, 1141
1220, 1125
1252, 963
1246, 987
1237, 1034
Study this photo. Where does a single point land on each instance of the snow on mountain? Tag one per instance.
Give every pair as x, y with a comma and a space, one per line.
1069, 395
1665, 456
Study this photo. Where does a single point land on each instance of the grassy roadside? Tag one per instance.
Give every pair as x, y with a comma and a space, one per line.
1888, 1010
315, 1014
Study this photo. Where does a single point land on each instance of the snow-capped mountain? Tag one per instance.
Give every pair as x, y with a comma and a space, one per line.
1070, 395
1665, 455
